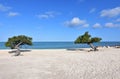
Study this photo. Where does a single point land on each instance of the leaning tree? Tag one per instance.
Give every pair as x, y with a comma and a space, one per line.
16, 42
86, 38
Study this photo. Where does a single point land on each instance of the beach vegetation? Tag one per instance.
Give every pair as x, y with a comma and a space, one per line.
87, 39
16, 42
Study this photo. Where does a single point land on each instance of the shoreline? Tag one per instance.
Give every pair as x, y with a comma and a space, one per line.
99, 47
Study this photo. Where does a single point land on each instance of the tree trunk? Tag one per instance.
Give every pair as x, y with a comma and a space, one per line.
18, 45
18, 49
17, 53
94, 48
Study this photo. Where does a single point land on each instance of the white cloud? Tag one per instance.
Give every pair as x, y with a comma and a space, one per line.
110, 12
111, 25
118, 20
47, 15
12, 14
51, 14
92, 10
85, 25
4, 8
7, 10
76, 22
97, 25
43, 16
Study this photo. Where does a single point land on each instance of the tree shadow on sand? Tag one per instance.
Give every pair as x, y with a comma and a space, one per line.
21, 51
80, 49
74, 49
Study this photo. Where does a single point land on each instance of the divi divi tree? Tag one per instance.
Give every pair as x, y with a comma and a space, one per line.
16, 42
86, 38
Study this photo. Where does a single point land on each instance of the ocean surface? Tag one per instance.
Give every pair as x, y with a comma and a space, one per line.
60, 45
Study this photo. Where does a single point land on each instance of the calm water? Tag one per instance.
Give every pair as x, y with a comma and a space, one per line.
61, 45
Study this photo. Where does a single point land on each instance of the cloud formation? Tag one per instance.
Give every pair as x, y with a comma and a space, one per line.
92, 10
110, 12
111, 25
8, 11
118, 20
76, 22
4, 8
97, 25
47, 15
12, 14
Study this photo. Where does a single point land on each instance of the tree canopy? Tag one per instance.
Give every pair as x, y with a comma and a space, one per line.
86, 38
18, 41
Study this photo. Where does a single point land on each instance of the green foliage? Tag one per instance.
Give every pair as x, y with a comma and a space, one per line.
86, 38
15, 40
95, 39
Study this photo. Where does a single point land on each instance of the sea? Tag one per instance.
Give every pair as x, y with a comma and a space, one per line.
60, 45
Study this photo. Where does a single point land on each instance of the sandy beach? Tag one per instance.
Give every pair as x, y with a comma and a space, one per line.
61, 64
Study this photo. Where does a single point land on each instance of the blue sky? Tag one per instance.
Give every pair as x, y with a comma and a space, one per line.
60, 20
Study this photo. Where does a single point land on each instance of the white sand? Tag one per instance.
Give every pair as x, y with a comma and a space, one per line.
61, 64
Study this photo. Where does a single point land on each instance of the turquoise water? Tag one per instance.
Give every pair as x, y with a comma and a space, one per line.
61, 45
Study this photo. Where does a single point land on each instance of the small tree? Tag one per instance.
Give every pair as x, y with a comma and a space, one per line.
86, 38
16, 42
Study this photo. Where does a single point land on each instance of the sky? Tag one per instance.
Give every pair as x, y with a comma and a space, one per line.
60, 20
